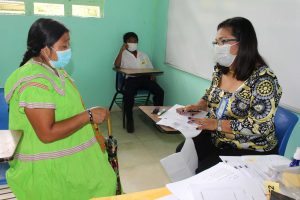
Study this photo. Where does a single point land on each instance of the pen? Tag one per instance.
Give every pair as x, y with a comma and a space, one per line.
161, 112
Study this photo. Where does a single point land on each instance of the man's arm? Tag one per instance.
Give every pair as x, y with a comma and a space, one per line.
119, 57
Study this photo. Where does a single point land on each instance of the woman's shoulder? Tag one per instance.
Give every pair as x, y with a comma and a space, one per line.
28, 72
264, 69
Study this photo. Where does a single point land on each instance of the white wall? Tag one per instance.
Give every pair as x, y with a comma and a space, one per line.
192, 27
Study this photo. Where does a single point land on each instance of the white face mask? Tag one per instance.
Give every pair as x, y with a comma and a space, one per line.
132, 46
222, 54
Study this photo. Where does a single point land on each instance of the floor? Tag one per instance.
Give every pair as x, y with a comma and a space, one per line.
139, 153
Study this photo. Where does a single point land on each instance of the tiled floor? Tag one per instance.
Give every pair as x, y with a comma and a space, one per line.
140, 152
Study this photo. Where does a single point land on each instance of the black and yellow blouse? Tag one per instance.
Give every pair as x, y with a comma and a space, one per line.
250, 109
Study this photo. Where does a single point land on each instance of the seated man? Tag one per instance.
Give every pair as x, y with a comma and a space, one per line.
130, 57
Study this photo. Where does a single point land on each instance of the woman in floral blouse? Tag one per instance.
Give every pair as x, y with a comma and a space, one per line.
241, 100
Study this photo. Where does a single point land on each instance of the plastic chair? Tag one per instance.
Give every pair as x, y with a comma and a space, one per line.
3, 126
141, 98
3, 111
285, 122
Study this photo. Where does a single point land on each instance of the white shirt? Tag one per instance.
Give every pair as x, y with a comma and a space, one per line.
131, 62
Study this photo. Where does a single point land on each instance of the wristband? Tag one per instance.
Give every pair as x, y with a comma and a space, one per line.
90, 115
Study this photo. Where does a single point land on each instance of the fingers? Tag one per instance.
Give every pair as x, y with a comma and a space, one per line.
180, 110
100, 114
199, 121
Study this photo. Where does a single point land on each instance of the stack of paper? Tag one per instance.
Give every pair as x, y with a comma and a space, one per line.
258, 167
219, 182
180, 122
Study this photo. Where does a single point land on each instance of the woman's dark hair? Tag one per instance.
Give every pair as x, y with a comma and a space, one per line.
43, 32
128, 35
248, 58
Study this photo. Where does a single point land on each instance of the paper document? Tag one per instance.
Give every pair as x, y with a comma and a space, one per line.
212, 191
168, 197
180, 122
8, 143
220, 176
258, 167
183, 164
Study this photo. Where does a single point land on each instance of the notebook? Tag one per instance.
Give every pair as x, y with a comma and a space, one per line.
8, 143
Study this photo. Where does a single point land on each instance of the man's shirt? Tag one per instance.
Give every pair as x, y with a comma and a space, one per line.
131, 62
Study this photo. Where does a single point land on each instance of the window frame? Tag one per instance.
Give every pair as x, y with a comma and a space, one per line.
29, 7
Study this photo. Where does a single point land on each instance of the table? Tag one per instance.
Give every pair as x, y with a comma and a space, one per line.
144, 195
148, 111
138, 72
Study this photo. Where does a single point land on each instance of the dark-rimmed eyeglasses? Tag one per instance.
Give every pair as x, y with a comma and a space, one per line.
224, 41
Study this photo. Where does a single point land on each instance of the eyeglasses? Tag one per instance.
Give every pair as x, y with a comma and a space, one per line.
223, 41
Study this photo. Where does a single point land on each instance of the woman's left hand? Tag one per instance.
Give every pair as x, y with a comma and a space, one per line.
204, 123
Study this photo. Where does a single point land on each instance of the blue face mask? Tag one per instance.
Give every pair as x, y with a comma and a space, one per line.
63, 58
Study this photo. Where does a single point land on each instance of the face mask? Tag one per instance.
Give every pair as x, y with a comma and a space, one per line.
132, 46
63, 58
222, 54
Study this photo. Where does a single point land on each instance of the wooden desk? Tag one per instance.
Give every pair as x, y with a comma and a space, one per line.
138, 72
148, 111
144, 195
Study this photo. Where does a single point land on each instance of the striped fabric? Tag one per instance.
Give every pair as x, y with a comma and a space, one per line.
56, 154
6, 193
29, 78
36, 105
33, 84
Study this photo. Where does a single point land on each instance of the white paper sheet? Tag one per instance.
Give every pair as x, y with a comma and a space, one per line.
180, 122
214, 191
219, 176
8, 143
183, 164
256, 166
168, 197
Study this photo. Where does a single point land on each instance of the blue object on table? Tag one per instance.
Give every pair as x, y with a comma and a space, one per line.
285, 122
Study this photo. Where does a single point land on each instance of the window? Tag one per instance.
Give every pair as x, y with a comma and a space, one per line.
85, 11
75, 8
48, 9
12, 7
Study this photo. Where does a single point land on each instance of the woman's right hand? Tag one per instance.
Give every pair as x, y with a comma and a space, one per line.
191, 109
124, 47
99, 114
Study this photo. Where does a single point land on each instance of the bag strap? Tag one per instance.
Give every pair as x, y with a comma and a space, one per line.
99, 137
109, 127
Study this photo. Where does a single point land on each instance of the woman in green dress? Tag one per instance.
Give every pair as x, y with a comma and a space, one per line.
58, 156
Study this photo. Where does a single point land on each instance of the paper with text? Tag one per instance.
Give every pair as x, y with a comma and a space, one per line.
180, 122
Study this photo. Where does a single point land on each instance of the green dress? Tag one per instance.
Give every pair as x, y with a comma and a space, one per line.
70, 168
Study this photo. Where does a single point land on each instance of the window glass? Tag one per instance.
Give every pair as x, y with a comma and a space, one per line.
49, 9
86, 11
12, 7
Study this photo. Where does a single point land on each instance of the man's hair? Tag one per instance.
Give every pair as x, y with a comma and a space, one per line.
128, 35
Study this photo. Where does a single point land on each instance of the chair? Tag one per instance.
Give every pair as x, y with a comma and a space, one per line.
141, 98
3, 126
3, 111
285, 122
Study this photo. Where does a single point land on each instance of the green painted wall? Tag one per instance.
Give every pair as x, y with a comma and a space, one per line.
95, 43
183, 88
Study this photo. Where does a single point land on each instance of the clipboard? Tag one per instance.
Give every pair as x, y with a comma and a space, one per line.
9, 141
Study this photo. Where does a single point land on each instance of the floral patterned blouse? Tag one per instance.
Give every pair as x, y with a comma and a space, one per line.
250, 109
